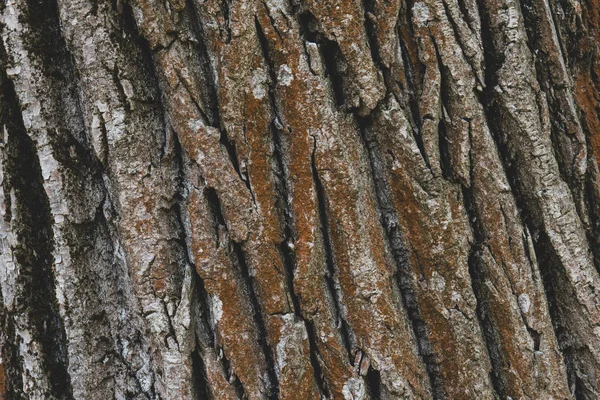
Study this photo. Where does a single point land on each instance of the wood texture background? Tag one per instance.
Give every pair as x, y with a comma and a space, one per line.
300, 199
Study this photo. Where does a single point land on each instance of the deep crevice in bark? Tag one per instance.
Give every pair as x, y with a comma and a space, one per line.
370, 30
477, 275
202, 315
314, 358
212, 95
397, 244
487, 327
330, 279
455, 29
559, 119
330, 52
373, 383
226, 11
11, 364
289, 256
210, 194
200, 385
445, 160
203, 57
559, 297
147, 64
331, 57
465, 13
184, 238
240, 260
412, 76
231, 377
478, 281
550, 266
202, 300
286, 249
33, 227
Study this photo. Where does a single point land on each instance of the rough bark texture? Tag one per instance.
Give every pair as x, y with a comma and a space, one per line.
300, 199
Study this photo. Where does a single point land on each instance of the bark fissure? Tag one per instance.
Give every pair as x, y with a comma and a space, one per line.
330, 277
489, 331
236, 257
556, 267
287, 245
199, 381
477, 275
32, 224
403, 276
204, 316
287, 251
212, 85
240, 260
412, 85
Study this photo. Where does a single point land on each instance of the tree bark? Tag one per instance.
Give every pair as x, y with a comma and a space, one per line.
300, 199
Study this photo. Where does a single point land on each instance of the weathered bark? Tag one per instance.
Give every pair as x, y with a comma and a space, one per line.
300, 199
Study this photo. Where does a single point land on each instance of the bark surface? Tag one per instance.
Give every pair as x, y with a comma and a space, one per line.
300, 199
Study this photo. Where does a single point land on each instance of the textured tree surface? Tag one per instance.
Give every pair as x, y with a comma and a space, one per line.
300, 199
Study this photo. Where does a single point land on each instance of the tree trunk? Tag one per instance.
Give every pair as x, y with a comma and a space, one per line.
300, 199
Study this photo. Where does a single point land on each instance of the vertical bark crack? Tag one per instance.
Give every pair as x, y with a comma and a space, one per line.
286, 246
205, 334
32, 225
240, 260
558, 286
329, 258
390, 223
212, 96
289, 256
201, 387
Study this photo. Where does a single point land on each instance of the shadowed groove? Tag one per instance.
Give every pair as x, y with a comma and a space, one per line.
201, 388
238, 260
212, 98
286, 246
289, 256
563, 298
32, 224
390, 223
329, 257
